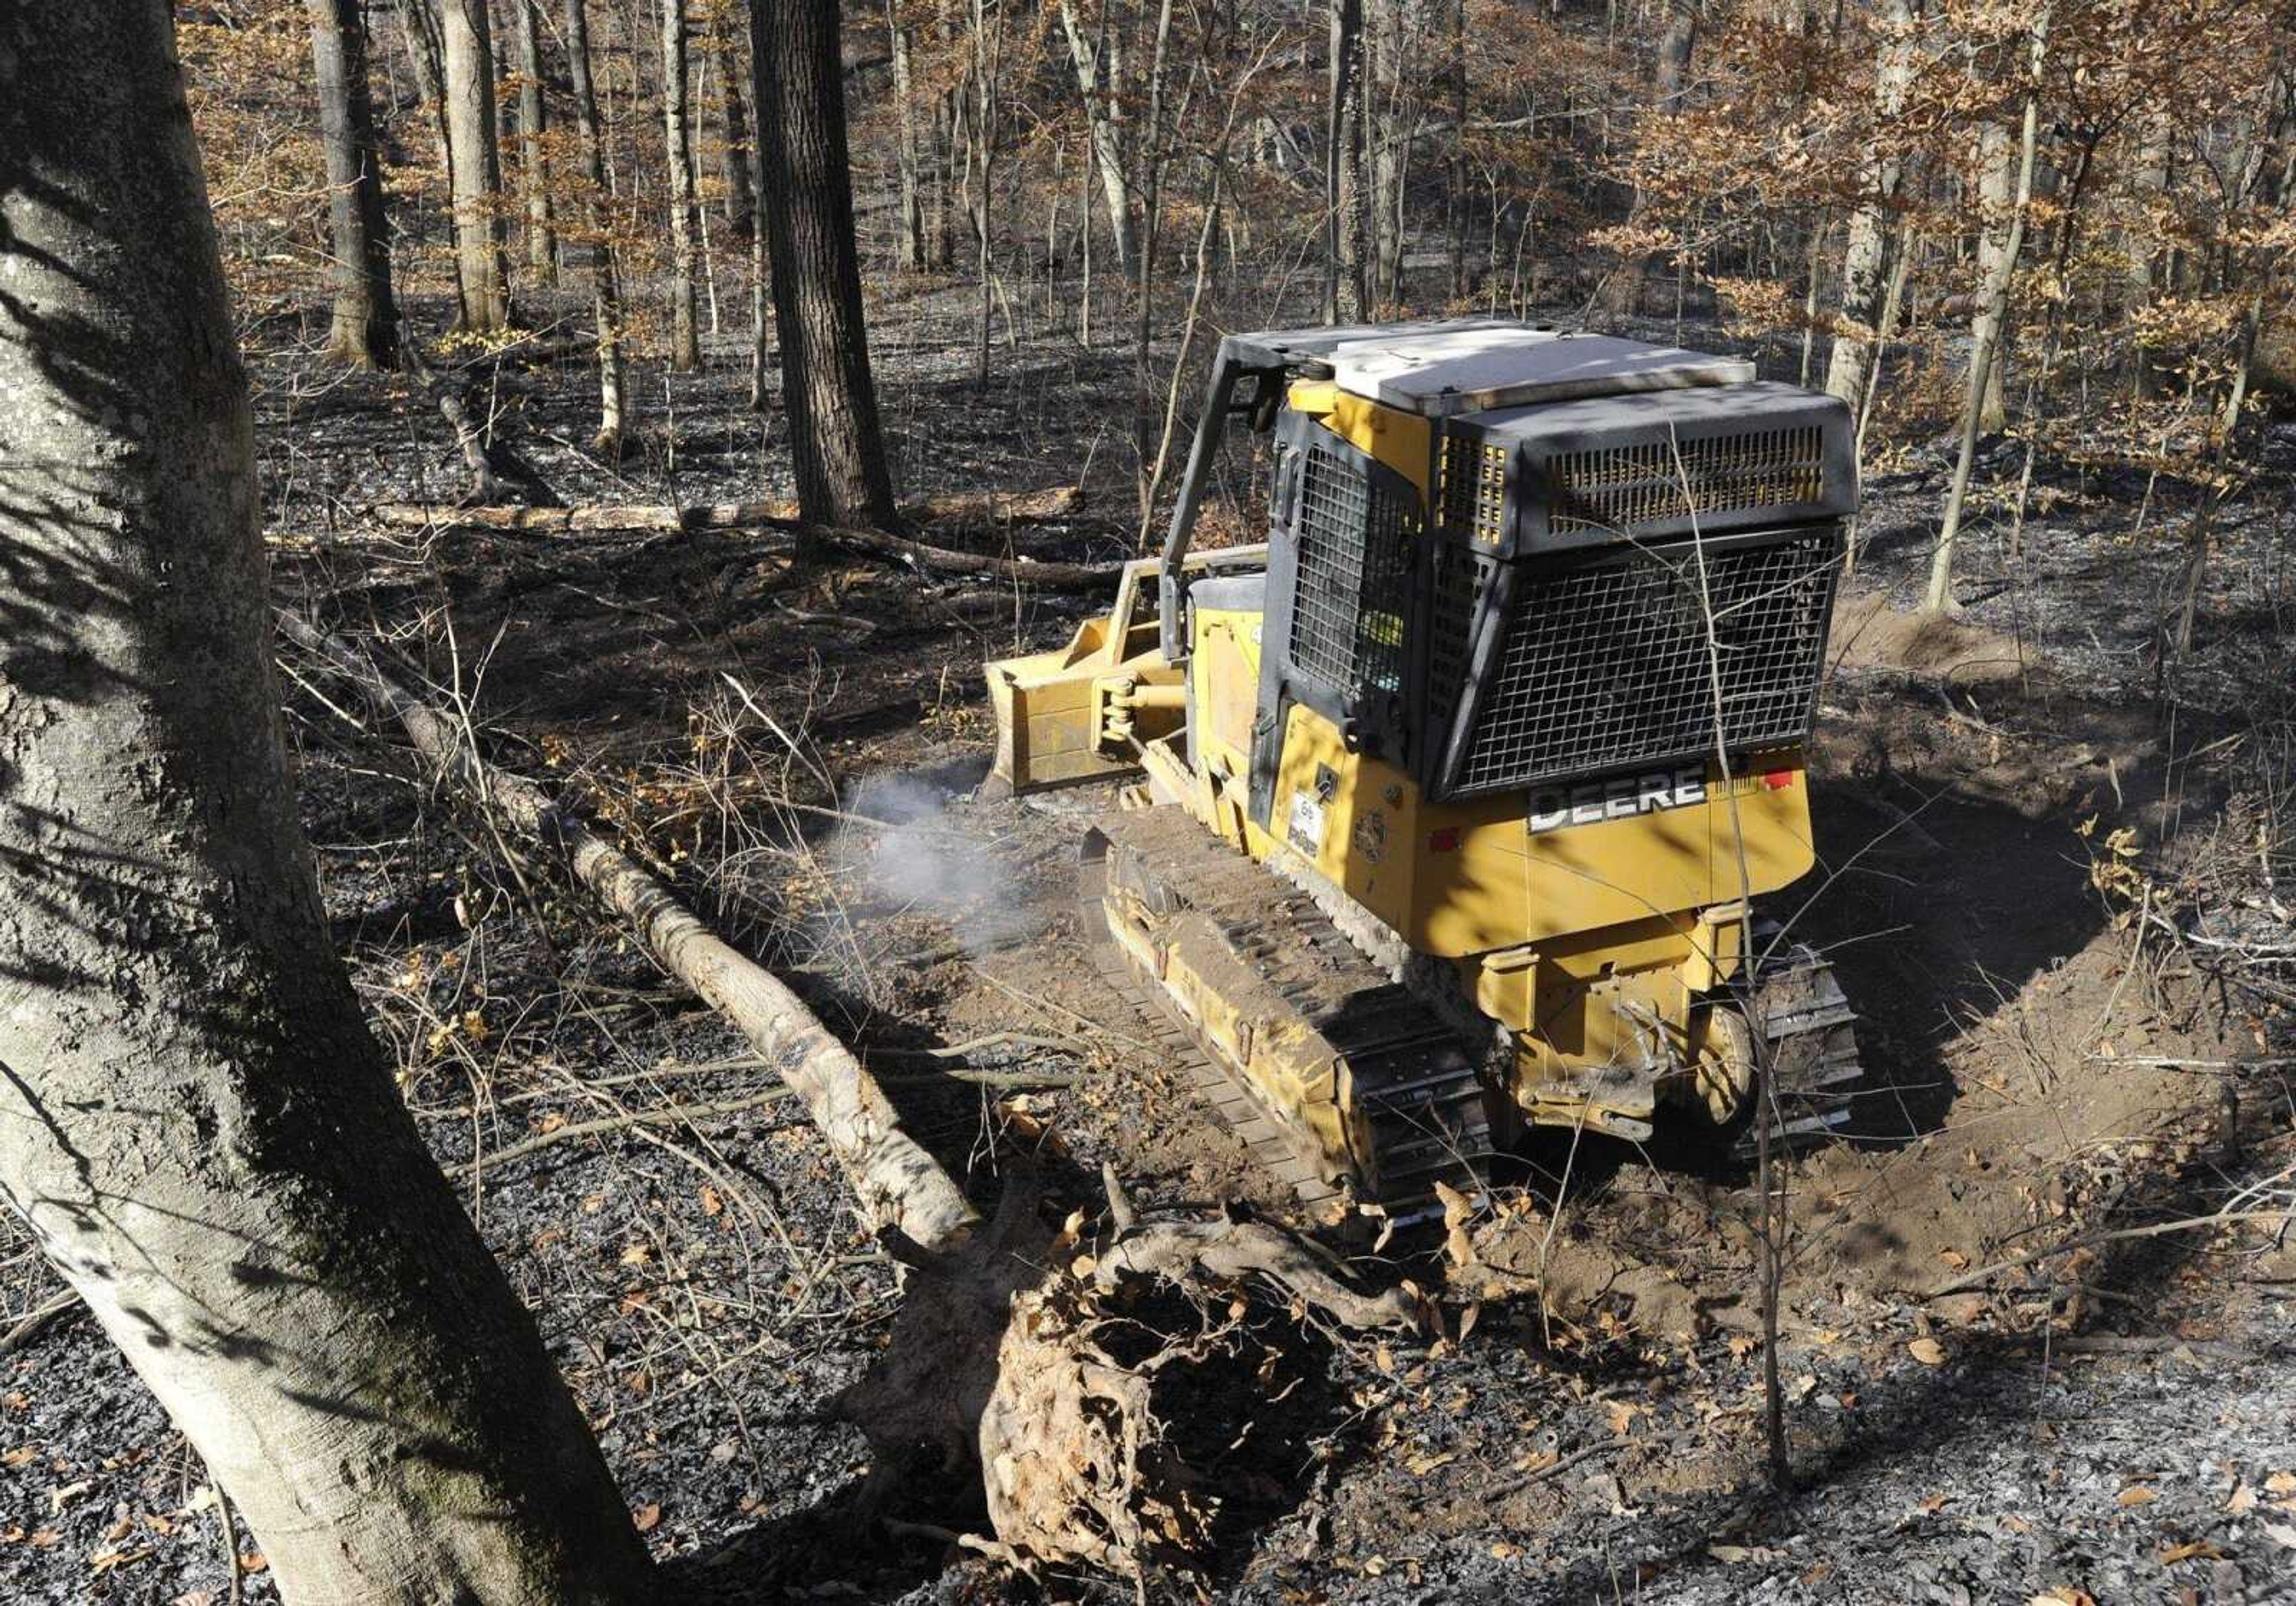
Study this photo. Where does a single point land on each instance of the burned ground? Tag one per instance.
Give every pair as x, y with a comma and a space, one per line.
799, 749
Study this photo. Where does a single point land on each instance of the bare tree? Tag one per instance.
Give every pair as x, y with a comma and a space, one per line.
1863, 281
195, 1123
1099, 64
1984, 351
534, 167
1344, 300
685, 343
475, 168
614, 410
365, 328
741, 181
842, 476
1995, 174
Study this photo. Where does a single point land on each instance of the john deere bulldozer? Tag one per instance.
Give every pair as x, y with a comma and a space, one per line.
1449, 804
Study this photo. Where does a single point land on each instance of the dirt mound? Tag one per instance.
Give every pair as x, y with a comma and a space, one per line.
1868, 634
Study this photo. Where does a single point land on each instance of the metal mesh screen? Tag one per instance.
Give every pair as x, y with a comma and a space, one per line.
1474, 489
1354, 577
1624, 488
1605, 667
1459, 583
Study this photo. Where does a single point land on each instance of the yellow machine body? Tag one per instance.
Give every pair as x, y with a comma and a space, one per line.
1595, 922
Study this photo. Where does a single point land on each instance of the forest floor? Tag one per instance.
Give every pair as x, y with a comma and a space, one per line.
799, 749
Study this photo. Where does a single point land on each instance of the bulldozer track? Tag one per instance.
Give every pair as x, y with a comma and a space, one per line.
1809, 1042
1420, 1096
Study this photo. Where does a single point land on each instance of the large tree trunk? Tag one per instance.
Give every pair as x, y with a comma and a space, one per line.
365, 328
685, 342
194, 1120
1344, 301
474, 169
1862, 279
1098, 61
842, 476
605, 286
534, 168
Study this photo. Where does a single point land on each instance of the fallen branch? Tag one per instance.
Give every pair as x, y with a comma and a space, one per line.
719, 1109
1050, 576
2190, 1224
898, 1182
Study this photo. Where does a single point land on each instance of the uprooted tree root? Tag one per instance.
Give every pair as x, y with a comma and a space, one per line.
1003, 1357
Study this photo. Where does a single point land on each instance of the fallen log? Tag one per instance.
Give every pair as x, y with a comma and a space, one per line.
972, 507
898, 1183
640, 518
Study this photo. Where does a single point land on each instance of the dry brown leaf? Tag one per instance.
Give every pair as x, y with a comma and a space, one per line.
646, 1518
2198, 1548
253, 1561
2280, 1483
22, 1455
1929, 1352
711, 1205
1468, 1318
1954, 1258
2136, 1494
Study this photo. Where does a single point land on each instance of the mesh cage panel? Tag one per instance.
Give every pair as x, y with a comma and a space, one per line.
1605, 668
1474, 489
1354, 577
1626, 488
1459, 583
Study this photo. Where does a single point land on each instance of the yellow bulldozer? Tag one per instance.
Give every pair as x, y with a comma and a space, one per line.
1448, 805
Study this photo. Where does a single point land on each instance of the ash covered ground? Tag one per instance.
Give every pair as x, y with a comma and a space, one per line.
2115, 1422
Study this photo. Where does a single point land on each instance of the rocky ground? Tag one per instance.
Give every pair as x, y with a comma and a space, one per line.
2115, 1422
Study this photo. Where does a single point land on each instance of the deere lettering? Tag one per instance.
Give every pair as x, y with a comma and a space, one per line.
1617, 797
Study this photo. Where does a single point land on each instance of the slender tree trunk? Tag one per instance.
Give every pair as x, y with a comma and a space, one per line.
194, 1121
685, 343
1344, 301
987, 68
614, 406
909, 245
1455, 196
1863, 274
1997, 155
740, 179
418, 28
475, 168
1939, 598
534, 167
842, 474
1096, 61
1384, 97
2140, 240
365, 328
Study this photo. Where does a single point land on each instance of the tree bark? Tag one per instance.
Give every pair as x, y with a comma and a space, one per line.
1343, 201
741, 178
614, 410
194, 1120
365, 331
1996, 164
1862, 278
842, 476
1939, 596
684, 341
1098, 61
1385, 135
534, 168
909, 242
474, 169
